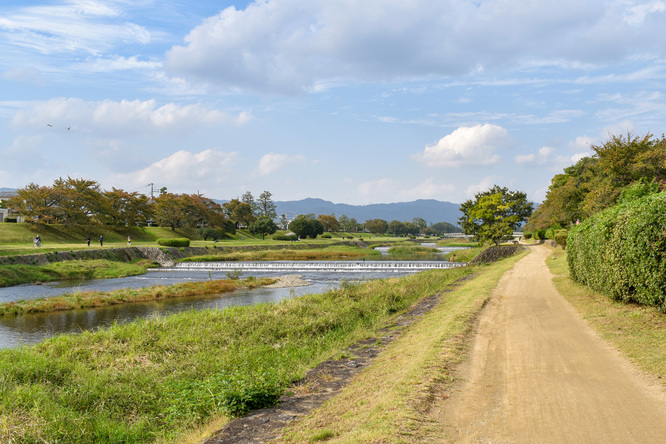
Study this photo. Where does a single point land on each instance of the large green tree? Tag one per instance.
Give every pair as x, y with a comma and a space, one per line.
495, 213
264, 225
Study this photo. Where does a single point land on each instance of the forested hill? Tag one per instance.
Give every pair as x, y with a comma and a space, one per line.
432, 211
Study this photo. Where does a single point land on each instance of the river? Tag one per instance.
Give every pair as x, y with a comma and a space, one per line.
32, 328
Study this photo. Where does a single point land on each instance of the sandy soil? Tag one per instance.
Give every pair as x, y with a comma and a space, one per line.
538, 374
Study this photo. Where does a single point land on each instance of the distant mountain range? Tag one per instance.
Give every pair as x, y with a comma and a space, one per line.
432, 211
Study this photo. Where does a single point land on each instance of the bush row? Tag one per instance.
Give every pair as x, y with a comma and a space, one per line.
621, 251
493, 254
175, 242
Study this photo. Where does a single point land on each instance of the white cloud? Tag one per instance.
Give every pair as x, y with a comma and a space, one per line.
380, 187
49, 29
272, 162
428, 189
636, 15
291, 46
542, 157
484, 185
184, 169
112, 118
581, 143
467, 146
26, 75
24, 153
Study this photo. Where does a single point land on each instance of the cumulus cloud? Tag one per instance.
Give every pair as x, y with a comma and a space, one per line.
124, 117
291, 46
467, 146
272, 162
184, 168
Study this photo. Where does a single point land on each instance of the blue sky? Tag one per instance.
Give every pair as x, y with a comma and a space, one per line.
353, 102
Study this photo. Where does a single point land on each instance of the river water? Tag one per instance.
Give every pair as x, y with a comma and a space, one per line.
31, 328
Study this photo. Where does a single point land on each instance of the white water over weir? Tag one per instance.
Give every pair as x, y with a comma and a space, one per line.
329, 266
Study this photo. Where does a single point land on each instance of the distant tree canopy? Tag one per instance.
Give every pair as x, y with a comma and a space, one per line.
378, 226
305, 226
82, 202
441, 228
79, 201
495, 213
595, 183
329, 222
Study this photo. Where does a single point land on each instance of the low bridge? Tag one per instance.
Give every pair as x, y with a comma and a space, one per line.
330, 266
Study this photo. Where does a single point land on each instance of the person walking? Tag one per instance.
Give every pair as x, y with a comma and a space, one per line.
88, 241
101, 240
129, 241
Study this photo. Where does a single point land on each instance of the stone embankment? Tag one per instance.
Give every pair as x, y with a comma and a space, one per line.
165, 256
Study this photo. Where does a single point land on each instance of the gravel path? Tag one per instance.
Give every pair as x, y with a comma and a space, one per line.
538, 374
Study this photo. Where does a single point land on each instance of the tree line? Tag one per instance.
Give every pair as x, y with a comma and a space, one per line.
595, 183
72, 201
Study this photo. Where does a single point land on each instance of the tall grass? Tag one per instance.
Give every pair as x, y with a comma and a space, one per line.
78, 269
154, 379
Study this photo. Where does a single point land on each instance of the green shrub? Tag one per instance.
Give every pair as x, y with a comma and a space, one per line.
175, 242
493, 254
621, 251
527, 235
540, 234
326, 236
560, 238
285, 237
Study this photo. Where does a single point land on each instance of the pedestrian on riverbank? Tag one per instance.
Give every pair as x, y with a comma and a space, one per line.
88, 241
129, 241
101, 241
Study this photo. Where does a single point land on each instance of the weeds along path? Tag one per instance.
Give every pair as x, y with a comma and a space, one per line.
537, 373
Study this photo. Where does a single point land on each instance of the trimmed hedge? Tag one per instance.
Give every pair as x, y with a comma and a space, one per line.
175, 242
621, 251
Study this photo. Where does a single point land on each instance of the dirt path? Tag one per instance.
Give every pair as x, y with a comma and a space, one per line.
538, 374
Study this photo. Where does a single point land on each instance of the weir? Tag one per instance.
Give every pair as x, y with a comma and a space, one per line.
328, 266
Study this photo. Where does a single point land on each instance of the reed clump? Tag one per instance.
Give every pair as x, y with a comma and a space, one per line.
96, 299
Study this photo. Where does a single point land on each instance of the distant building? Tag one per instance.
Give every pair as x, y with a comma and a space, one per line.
4, 196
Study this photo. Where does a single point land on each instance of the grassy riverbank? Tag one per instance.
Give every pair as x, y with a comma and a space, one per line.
79, 269
412, 249
639, 332
154, 379
95, 299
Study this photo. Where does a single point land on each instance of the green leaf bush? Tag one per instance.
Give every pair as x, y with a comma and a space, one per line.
175, 242
621, 251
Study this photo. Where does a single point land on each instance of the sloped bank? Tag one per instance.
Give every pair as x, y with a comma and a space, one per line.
165, 256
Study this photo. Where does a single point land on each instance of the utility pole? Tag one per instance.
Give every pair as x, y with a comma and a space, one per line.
151, 185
